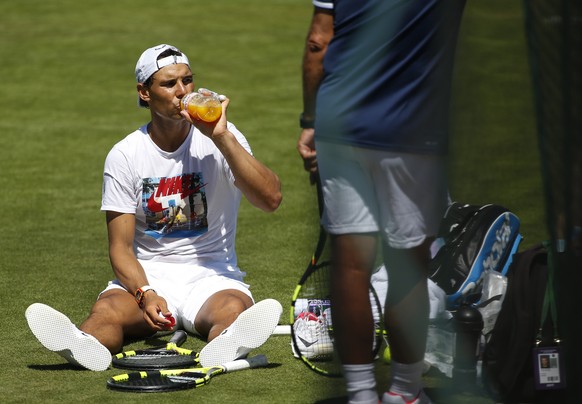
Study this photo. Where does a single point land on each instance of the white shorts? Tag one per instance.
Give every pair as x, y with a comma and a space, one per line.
402, 196
186, 288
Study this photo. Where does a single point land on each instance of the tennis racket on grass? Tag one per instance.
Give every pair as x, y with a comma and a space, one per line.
179, 379
311, 313
166, 357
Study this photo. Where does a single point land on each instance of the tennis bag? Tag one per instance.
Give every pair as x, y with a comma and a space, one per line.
508, 360
476, 238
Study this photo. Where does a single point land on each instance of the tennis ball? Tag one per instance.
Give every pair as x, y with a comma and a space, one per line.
387, 355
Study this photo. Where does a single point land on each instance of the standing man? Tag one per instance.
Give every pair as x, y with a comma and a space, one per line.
171, 193
375, 129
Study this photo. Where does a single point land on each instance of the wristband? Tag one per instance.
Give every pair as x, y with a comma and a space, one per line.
306, 123
140, 294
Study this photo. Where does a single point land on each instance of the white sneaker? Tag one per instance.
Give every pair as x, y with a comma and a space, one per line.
57, 333
311, 337
392, 398
250, 330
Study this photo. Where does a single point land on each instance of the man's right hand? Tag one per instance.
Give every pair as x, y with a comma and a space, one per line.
306, 149
156, 313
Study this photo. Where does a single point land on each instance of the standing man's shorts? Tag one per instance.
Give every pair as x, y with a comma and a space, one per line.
402, 196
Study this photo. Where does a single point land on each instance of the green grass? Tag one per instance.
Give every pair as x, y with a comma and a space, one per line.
494, 154
68, 95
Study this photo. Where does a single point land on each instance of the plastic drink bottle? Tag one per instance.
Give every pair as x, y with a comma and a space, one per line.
203, 106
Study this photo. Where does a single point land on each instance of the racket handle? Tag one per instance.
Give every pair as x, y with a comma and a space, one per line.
248, 363
178, 338
282, 330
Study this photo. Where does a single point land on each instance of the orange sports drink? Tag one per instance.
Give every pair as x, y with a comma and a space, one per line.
203, 107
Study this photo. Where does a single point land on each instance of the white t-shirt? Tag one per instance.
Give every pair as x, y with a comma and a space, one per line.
185, 202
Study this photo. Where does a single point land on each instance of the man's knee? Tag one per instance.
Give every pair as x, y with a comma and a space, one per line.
114, 307
236, 302
229, 302
220, 310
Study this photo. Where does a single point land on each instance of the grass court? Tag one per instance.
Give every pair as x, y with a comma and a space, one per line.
68, 94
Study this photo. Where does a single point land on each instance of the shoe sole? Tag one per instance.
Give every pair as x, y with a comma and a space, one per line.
57, 333
250, 330
324, 352
390, 398
317, 351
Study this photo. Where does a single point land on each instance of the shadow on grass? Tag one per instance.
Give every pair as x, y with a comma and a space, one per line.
59, 366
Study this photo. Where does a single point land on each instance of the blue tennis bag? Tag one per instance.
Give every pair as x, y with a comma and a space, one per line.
476, 238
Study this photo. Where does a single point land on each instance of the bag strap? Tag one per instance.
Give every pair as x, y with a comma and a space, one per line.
549, 304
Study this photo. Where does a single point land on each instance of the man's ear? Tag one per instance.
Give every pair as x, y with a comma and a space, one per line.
143, 92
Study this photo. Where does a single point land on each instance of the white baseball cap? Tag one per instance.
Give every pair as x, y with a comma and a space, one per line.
148, 62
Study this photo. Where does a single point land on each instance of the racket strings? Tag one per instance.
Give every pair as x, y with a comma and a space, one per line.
313, 332
149, 357
188, 376
313, 325
176, 358
172, 352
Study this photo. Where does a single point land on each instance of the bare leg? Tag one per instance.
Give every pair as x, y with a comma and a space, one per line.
234, 326
407, 305
220, 311
115, 316
352, 264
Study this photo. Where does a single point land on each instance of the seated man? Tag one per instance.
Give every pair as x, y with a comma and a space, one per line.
171, 193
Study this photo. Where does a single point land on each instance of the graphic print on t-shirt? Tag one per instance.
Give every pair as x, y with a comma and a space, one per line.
175, 206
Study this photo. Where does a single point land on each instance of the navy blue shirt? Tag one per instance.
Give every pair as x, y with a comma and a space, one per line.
387, 74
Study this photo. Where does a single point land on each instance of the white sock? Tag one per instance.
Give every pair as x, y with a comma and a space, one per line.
361, 383
406, 379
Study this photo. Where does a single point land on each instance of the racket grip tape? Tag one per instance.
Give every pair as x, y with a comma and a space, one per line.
248, 363
284, 329
178, 338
